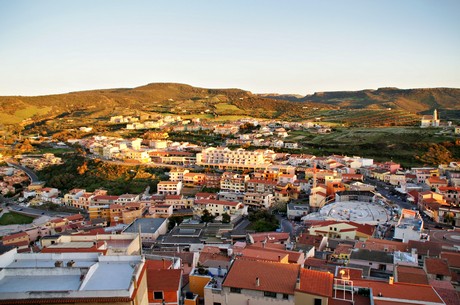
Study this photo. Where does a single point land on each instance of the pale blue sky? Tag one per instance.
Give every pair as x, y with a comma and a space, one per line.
263, 46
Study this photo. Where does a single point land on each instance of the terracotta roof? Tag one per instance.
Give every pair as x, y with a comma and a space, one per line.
316, 282
270, 237
273, 277
452, 258
400, 291
353, 273
104, 197
382, 244
15, 235
428, 248
214, 201
158, 264
293, 256
446, 291
436, 266
412, 275
75, 217
164, 280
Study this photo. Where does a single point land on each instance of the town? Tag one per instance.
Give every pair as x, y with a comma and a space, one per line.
244, 219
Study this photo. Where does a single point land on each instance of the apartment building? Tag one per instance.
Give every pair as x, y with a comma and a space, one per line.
239, 159
232, 182
169, 187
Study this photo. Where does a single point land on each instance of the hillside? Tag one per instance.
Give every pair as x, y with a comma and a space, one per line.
158, 97
365, 108
411, 100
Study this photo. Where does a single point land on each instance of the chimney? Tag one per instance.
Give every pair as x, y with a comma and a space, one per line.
70, 263
279, 258
391, 280
58, 264
257, 282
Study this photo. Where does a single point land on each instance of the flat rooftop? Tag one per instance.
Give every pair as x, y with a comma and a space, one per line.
80, 275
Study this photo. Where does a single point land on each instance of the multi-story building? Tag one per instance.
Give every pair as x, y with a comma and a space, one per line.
177, 174
239, 159
260, 186
219, 207
232, 182
72, 196
169, 187
258, 200
451, 194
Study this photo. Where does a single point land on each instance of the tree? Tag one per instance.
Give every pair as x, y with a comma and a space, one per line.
207, 217
437, 154
226, 218
174, 220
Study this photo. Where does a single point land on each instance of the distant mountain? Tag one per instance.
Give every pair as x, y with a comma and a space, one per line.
411, 100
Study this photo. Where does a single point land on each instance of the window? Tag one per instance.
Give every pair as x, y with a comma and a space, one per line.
270, 294
235, 290
158, 295
318, 302
285, 296
216, 303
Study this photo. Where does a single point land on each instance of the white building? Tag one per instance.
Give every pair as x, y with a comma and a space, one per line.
233, 159
169, 187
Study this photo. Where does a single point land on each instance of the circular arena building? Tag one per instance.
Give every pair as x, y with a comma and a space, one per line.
359, 207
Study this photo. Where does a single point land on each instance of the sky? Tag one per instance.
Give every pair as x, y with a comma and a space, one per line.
264, 46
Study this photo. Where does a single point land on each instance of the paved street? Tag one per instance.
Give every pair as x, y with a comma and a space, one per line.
33, 177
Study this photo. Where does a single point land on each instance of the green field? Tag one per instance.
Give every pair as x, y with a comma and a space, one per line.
22, 114
400, 144
12, 218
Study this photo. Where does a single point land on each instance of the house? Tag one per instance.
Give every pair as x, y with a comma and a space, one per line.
254, 282
314, 288
20, 240
341, 230
437, 269
436, 182
450, 193
164, 286
219, 207
233, 182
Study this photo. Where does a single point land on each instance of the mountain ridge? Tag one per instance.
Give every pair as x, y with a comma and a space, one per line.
186, 99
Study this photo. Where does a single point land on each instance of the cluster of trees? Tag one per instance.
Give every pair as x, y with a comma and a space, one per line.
263, 221
78, 172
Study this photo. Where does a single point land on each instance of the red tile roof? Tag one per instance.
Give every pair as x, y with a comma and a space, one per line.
437, 266
446, 291
158, 264
316, 282
164, 280
452, 258
412, 275
400, 292
213, 201
273, 277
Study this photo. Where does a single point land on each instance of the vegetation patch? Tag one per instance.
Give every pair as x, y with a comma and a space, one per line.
13, 218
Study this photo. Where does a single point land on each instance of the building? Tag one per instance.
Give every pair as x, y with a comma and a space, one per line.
254, 282
297, 211
219, 207
409, 227
149, 228
83, 278
430, 120
239, 159
233, 182
169, 187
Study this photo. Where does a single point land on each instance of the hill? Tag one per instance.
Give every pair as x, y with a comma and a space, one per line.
157, 97
419, 101
365, 107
